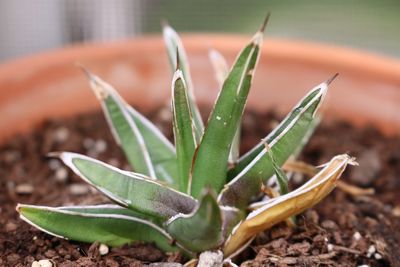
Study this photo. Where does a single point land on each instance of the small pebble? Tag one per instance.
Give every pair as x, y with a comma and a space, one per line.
211, 258
364, 265
10, 227
24, 189
103, 249
61, 134
43, 263
378, 256
54, 164
371, 162
371, 251
88, 143
78, 189
313, 216
100, 146
297, 178
46, 263
357, 236
165, 264
330, 247
165, 114
61, 174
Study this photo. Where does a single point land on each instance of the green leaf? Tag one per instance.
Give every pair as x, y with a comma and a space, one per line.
280, 175
128, 189
209, 168
255, 168
245, 160
131, 132
220, 66
202, 229
112, 209
185, 140
174, 45
221, 72
90, 224
123, 127
162, 152
314, 124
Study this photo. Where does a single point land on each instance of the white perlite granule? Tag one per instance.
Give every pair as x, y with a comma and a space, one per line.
211, 259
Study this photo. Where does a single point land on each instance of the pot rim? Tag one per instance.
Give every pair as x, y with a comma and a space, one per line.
360, 64
326, 55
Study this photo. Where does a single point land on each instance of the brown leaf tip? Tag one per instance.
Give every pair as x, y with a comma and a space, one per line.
330, 80
164, 23
85, 70
265, 22
177, 59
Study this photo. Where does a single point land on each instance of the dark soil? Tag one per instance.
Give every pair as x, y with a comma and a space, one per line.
343, 230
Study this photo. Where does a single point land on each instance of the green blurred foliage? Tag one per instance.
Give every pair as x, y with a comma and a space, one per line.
368, 24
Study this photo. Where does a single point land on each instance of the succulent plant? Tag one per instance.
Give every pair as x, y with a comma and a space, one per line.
198, 195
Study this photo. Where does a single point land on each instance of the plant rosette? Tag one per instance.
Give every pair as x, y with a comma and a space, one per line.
200, 182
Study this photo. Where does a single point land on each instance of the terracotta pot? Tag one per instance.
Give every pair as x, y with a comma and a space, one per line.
50, 85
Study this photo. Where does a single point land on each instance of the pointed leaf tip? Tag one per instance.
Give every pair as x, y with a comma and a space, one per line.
265, 22
258, 37
177, 58
209, 165
173, 42
100, 88
96, 85
107, 224
164, 23
245, 176
84, 69
133, 190
330, 80
183, 128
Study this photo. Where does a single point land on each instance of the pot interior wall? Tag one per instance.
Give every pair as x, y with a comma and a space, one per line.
50, 85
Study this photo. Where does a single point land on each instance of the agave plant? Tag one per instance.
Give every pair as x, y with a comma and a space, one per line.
198, 195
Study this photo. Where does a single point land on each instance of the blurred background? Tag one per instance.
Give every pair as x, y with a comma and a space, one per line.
28, 27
